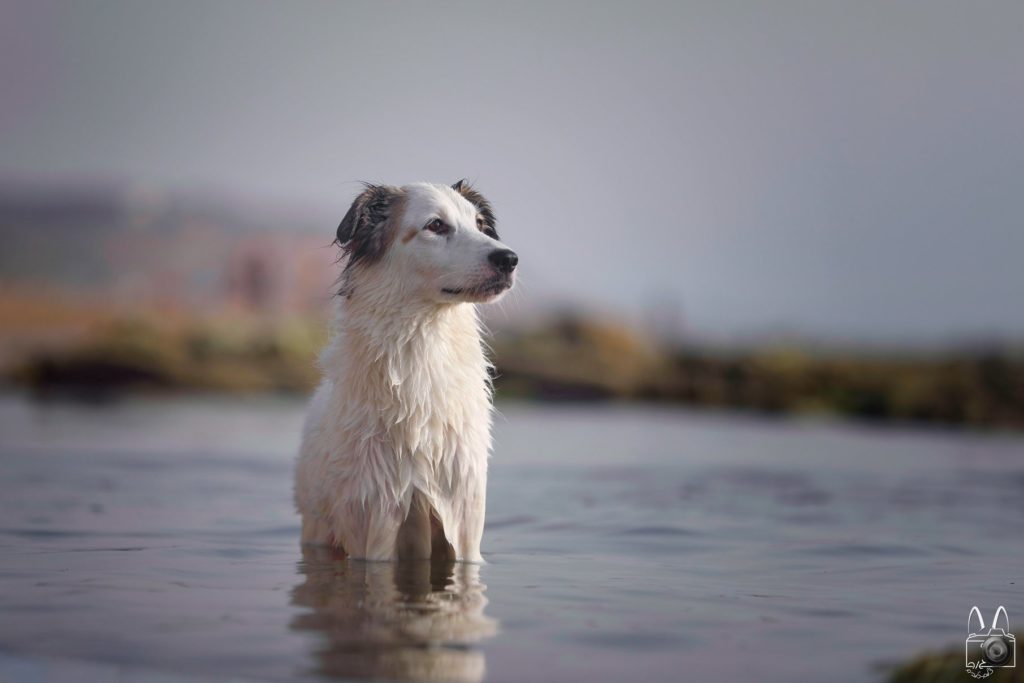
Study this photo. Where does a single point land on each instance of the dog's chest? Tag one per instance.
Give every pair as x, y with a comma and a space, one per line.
415, 403
434, 412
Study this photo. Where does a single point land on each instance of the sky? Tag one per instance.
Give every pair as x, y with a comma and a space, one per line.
849, 171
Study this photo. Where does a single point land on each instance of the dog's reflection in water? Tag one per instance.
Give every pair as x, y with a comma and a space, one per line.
414, 620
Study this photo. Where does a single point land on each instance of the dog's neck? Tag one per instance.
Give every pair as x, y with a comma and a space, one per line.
415, 367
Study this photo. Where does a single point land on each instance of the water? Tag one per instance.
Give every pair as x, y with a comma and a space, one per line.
155, 540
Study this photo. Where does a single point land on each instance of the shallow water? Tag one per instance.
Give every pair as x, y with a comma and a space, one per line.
155, 540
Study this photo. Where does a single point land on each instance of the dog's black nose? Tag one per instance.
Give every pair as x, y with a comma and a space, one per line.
504, 260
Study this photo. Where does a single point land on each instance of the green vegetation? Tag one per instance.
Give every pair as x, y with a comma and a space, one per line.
567, 359
576, 359
239, 356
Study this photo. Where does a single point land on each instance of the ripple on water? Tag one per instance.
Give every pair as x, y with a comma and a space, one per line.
659, 532
862, 550
634, 641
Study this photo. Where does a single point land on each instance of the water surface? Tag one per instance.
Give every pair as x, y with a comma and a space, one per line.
156, 540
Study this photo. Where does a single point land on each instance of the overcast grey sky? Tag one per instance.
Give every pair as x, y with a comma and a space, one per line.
835, 169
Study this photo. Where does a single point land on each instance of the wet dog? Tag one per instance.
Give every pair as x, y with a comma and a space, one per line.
393, 463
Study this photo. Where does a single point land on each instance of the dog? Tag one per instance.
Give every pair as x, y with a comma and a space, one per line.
393, 461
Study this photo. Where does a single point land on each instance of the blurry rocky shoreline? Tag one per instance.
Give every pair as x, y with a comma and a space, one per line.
560, 358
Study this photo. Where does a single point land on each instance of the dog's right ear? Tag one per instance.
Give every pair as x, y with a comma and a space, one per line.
361, 234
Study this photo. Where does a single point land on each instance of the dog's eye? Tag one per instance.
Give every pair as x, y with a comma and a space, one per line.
486, 229
437, 226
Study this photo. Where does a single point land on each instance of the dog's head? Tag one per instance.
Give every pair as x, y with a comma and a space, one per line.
435, 242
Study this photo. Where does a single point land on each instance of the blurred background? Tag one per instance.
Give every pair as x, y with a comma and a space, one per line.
795, 208
771, 209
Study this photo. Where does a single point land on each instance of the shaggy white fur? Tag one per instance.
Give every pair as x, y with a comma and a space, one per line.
395, 447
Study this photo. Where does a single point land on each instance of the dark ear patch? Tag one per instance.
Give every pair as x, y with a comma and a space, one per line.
362, 234
476, 199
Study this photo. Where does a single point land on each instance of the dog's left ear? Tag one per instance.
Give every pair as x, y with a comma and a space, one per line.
362, 234
476, 199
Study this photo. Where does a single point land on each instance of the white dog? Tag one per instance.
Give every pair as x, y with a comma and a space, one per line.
394, 452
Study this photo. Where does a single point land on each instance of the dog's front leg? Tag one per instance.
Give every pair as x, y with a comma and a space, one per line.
471, 521
368, 529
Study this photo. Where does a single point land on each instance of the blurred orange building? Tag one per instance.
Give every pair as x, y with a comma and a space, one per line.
130, 250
